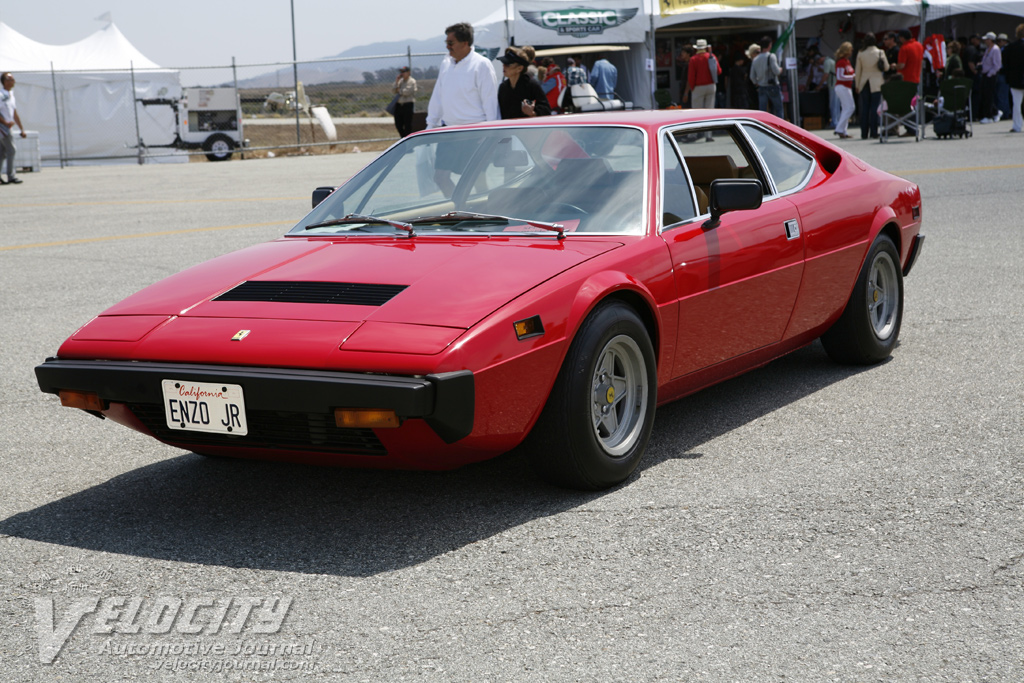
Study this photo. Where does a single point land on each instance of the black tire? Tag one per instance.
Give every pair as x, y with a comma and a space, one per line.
219, 147
868, 329
586, 439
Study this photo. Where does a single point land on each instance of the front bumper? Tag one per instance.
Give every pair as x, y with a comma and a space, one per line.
444, 401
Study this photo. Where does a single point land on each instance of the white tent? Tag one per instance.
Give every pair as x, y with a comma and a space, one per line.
80, 96
871, 15
831, 22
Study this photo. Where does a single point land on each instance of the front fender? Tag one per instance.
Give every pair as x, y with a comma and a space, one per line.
614, 283
514, 377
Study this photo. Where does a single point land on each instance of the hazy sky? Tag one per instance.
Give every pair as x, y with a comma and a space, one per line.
211, 32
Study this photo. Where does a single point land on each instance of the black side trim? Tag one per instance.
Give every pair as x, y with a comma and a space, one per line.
915, 251
454, 397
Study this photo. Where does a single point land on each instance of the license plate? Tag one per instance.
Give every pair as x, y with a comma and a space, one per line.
204, 407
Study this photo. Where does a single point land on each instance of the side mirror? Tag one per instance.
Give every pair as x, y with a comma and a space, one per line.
321, 193
732, 194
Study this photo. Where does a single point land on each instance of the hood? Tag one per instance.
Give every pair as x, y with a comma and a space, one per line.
433, 281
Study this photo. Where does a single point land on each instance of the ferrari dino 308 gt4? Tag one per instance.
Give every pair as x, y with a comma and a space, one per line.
551, 280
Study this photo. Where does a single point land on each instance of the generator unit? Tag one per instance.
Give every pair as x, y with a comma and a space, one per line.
209, 119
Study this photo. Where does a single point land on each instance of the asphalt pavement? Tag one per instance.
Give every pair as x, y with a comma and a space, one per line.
803, 522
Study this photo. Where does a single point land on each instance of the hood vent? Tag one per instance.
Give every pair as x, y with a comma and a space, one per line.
349, 293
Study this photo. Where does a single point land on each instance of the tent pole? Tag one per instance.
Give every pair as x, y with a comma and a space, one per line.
651, 47
793, 74
919, 109
295, 74
56, 112
508, 32
135, 110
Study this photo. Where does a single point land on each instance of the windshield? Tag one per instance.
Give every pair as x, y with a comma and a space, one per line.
582, 179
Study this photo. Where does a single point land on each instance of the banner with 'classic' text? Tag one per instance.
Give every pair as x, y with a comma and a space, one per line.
590, 21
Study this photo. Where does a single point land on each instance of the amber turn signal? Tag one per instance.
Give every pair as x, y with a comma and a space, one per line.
86, 400
359, 418
531, 327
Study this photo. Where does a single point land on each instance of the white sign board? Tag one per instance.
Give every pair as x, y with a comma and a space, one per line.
554, 23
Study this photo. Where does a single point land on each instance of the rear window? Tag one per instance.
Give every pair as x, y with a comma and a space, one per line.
788, 166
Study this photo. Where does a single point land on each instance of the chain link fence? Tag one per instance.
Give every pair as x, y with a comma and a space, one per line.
218, 113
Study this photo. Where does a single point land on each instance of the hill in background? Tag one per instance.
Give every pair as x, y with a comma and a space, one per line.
349, 68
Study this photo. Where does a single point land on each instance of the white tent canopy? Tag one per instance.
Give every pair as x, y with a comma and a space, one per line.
106, 49
80, 96
807, 9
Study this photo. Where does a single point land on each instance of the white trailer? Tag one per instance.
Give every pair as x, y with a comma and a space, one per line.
211, 119
207, 118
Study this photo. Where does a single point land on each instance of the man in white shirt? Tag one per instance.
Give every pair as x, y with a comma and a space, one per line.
8, 119
466, 91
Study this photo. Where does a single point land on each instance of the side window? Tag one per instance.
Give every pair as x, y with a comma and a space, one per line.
676, 200
725, 158
788, 166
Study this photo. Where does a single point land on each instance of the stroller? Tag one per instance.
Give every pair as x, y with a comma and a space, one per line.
955, 118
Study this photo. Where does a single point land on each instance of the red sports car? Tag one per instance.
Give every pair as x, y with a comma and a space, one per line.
550, 280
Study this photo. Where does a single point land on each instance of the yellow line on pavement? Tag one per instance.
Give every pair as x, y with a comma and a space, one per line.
129, 202
957, 170
87, 240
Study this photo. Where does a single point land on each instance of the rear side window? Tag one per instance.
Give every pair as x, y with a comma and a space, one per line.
788, 166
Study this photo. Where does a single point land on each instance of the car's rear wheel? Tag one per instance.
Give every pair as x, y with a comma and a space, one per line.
597, 422
869, 327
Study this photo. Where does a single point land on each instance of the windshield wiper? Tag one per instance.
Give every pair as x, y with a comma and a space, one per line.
359, 218
470, 216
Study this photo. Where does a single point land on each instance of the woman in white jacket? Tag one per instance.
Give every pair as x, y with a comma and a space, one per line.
868, 84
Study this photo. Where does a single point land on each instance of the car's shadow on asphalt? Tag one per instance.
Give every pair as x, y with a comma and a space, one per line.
317, 520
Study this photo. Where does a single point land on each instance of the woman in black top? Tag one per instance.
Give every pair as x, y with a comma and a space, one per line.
520, 95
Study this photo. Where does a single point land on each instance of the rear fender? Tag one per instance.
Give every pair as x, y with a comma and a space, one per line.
885, 220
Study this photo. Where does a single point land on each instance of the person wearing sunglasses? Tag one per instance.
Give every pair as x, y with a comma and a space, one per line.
466, 91
520, 95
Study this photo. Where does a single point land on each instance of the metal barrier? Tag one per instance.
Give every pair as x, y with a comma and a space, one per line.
144, 115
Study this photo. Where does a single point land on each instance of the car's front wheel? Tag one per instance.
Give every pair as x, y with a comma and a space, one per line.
869, 327
597, 422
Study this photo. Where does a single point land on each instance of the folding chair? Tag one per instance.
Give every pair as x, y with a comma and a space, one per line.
956, 100
897, 110
584, 98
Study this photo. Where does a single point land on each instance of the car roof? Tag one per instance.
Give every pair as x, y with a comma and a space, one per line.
649, 119
653, 120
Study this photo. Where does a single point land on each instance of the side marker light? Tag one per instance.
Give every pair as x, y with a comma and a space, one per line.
530, 327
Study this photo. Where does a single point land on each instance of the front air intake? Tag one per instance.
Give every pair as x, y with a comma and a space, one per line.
348, 293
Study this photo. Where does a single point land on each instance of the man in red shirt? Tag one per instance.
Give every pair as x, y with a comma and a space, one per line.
909, 61
702, 78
